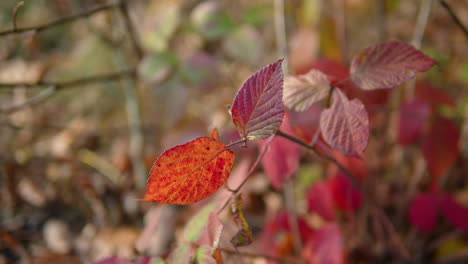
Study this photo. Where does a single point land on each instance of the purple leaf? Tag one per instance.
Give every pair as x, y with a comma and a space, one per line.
345, 125
258, 108
387, 65
300, 92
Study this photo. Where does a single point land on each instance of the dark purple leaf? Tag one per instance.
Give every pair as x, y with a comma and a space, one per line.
258, 107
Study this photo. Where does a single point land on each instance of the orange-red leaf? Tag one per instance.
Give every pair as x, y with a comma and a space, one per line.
189, 173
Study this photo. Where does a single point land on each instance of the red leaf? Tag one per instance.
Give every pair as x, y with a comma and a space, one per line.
455, 213
281, 159
346, 197
424, 210
413, 118
432, 95
300, 92
356, 166
320, 200
441, 146
326, 246
387, 65
189, 173
258, 108
345, 125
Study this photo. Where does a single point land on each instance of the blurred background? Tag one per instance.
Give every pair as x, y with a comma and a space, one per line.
91, 92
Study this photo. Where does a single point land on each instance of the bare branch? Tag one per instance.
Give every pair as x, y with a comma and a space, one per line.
454, 17
15, 13
60, 21
40, 97
123, 6
130, 73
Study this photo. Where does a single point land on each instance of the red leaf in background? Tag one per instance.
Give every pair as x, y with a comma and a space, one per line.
455, 213
424, 211
440, 146
387, 65
346, 197
282, 157
301, 91
356, 166
434, 96
413, 118
345, 125
258, 107
320, 200
189, 173
326, 246
277, 238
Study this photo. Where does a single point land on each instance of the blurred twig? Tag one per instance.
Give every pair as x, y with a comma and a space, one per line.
77, 82
280, 30
454, 17
60, 21
15, 13
123, 6
40, 97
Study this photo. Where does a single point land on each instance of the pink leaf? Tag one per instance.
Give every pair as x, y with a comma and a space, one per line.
281, 159
424, 210
455, 213
440, 146
346, 197
413, 118
300, 92
305, 124
387, 65
345, 125
326, 246
258, 107
320, 200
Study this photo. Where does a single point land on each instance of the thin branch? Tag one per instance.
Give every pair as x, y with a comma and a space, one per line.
280, 30
130, 73
59, 21
290, 201
454, 17
15, 13
40, 97
123, 6
258, 255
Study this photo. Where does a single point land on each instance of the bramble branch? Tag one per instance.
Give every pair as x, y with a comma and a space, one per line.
454, 17
59, 21
130, 73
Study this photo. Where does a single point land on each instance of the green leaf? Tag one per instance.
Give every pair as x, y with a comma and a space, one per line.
194, 228
181, 255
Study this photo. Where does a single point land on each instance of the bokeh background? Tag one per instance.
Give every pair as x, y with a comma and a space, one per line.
88, 103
